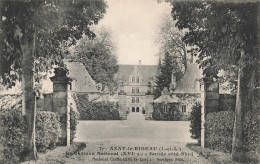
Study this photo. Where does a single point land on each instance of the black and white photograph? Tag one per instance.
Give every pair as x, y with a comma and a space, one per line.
129, 82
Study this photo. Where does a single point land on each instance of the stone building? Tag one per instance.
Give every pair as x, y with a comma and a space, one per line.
186, 92
136, 83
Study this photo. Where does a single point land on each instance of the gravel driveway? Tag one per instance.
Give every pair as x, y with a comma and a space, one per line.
135, 141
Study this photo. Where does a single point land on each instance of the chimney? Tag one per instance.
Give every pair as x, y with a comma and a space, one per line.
173, 82
140, 62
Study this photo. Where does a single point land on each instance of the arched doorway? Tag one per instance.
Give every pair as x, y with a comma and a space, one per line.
133, 109
137, 109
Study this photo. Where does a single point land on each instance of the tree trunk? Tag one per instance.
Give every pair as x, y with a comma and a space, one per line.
29, 105
185, 58
243, 104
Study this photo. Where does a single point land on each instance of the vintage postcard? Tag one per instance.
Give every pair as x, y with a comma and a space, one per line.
129, 81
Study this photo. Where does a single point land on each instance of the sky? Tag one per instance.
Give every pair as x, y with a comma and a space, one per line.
134, 24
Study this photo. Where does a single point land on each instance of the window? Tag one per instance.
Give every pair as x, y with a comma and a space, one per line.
183, 108
137, 90
137, 79
165, 109
133, 79
149, 84
133, 90
133, 100
137, 100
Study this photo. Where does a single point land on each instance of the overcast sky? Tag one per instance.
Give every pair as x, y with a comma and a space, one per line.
134, 24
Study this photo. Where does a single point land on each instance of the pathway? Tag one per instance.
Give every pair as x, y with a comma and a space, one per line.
135, 141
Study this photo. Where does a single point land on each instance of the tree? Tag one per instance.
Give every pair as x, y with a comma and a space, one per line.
226, 37
32, 35
169, 38
164, 77
99, 58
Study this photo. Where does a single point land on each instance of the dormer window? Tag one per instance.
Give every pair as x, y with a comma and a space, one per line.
165, 109
137, 79
133, 79
137, 90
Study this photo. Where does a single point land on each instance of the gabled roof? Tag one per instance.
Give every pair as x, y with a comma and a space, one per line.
145, 70
83, 81
165, 98
103, 99
188, 83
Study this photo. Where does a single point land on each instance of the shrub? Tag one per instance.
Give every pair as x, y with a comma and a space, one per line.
96, 110
48, 130
101, 111
219, 130
252, 134
173, 113
195, 121
13, 135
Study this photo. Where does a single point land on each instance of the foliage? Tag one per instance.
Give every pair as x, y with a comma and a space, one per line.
34, 35
219, 31
99, 58
219, 130
252, 134
226, 38
169, 39
195, 121
164, 78
48, 130
13, 135
96, 110
73, 125
56, 25
173, 114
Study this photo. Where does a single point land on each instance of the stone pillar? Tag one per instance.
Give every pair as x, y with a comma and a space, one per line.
209, 102
148, 106
122, 105
60, 100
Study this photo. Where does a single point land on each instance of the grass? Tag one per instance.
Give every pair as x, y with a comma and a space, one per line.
215, 157
59, 154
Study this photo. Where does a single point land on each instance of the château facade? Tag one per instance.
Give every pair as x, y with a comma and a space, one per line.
136, 83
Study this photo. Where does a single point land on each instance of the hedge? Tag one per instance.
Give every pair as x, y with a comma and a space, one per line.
219, 130
173, 113
13, 133
195, 121
96, 110
100, 111
48, 130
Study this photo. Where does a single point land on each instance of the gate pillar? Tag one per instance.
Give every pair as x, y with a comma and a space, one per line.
61, 85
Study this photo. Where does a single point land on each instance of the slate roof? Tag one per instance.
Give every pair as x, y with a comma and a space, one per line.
146, 70
165, 98
83, 81
188, 83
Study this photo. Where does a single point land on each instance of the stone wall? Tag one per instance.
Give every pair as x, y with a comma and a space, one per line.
227, 102
148, 106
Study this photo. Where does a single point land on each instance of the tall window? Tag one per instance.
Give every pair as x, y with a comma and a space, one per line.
137, 90
137, 79
165, 109
133, 100
133, 90
137, 100
183, 108
133, 79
